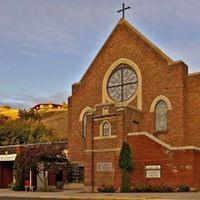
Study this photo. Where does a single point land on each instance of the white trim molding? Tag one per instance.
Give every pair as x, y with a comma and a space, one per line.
87, 109
102, 150
157, 99
138, 93
152, 137
105, 137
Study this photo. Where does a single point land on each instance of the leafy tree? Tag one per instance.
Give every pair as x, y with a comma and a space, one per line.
3, 119
20, 131
42, 158
126, 165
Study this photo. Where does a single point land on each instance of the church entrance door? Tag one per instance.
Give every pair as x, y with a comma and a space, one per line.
6, 174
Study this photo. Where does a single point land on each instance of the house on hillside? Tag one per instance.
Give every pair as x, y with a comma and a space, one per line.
43, 106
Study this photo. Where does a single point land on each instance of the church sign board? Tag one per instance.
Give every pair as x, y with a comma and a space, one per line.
153, 171
8, 157
104, 166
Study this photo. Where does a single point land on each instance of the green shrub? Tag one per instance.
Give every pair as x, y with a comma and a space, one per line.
164, 188
151, 188
125, 158
107, 188
126, 165
183, 188
18, 186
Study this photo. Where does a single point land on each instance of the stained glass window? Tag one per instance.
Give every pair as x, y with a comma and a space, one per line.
161, 116
122, 83
106, 129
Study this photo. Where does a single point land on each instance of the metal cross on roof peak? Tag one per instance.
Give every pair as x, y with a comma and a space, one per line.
123, 10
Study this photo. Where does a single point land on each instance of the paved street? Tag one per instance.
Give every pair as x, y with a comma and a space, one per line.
72, 194
16, 198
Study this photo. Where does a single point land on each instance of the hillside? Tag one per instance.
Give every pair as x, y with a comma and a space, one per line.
56, 119
6, 110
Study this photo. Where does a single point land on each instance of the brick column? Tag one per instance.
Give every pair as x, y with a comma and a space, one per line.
117, 170
120, 127
88, 158
121, 136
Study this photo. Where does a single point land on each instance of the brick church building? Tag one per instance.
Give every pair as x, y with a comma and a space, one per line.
133, 92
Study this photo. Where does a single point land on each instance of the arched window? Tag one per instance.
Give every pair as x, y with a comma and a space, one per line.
161, 116
83, 117
105, 129
122, 83
84, 122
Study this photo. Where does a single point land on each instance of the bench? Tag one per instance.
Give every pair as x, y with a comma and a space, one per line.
29, 188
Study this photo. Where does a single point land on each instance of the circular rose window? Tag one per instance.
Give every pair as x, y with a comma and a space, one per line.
122, 83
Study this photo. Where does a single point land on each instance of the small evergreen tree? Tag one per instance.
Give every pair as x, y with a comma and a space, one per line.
126, 165
64, 104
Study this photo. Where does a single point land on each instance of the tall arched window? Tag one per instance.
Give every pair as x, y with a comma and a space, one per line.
84, 125
105, 129
161, 116
83, 117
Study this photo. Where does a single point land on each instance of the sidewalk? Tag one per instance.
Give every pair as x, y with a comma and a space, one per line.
77, 194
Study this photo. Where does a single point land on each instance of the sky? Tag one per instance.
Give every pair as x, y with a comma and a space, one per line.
47, 45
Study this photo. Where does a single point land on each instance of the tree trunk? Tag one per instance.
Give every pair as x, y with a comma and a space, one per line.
125, 181
45, 181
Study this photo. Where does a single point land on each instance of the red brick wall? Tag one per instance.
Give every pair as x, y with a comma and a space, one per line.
197, 168
177, 166
193, 111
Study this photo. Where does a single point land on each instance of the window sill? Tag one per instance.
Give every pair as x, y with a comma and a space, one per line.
160, 133
104, 137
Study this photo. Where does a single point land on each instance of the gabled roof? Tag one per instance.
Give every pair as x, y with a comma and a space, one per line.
146, 40
123, 21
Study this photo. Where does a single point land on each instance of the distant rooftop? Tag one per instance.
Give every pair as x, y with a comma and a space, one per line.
46, 106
